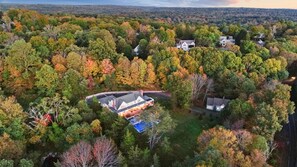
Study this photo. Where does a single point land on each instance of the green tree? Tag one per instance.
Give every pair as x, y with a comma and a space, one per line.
248, 47
80, 22
248, 86
272, 67
77, 132
128, 141
6, 163
259, 143
16, 129
21, 63
12, 117
230, 83
156, 161
40, 45
252, 62
239, 109
181, 91
232, 62
142, 48
82, 39
12, 13
88, 110
26, 163
280, 100
207, 35
212, 157
74, 61
138, 156
273, 107
116, 130
232, 29
55, 134
264, 53
266, 123
47, 80
242, 35
160, 123
100, 50
124, 47
256, 29
190, 63
212, 61
106, 36
107, 118
74, 86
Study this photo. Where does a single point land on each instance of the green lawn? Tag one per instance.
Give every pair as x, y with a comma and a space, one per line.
184, 137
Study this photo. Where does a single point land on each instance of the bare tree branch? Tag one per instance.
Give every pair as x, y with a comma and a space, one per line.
105, 152
209, 88
79, 155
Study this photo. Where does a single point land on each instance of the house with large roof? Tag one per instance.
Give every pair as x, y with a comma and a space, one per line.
127, 105
216, 104
259, 39
224, 40
136, 50
260, 36
186, 45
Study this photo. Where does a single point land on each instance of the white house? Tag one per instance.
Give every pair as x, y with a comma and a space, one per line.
261, 43
128, 105
260, 36
260, 39
186, 44
136, 50
224, 40
216, 104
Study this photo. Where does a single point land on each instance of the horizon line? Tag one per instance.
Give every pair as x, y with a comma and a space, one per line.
88, 4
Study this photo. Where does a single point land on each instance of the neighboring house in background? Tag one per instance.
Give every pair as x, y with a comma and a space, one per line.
260, 42
186, 45
128, 105
260, 39
7, 26
136, 50
216, 104
224, 40
260, 36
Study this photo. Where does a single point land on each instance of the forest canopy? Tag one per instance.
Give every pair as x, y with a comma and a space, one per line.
49, 63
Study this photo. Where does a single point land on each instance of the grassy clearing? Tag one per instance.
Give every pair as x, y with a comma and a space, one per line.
189, 127
184, 138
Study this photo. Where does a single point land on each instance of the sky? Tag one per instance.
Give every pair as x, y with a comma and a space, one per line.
170, 3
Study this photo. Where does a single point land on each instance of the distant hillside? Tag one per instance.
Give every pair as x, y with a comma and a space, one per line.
191, 15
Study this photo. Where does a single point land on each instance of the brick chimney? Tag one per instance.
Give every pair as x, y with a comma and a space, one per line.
141, 92
114, 103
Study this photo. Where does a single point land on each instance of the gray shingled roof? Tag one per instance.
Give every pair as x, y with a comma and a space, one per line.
106, 99
127, 98
119, 100
186, 41
217, 101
